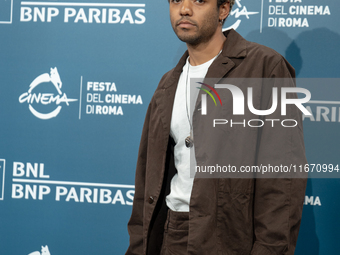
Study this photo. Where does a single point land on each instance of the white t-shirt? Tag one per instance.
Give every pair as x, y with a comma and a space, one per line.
181, 183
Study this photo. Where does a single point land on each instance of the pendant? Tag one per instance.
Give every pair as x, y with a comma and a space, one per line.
189, 142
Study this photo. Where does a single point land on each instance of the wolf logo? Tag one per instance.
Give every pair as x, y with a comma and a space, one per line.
52, 77
55, 79
44, 251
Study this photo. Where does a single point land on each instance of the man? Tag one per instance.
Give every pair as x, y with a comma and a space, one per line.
175, 214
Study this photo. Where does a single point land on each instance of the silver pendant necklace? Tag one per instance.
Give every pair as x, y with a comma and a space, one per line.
189, 141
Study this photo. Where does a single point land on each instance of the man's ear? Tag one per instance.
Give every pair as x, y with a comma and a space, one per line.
224, 10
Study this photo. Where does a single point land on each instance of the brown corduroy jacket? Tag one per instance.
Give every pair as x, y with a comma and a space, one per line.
229, 216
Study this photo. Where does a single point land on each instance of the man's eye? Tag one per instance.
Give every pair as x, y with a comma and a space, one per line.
175, 1
200, 1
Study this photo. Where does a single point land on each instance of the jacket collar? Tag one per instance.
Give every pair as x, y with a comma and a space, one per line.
235, 46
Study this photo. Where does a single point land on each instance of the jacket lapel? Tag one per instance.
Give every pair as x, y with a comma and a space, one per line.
234, 48
165, 94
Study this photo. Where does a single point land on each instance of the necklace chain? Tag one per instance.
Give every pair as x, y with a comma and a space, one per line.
189, 142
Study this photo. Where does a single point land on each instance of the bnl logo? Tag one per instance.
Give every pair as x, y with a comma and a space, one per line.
2, 178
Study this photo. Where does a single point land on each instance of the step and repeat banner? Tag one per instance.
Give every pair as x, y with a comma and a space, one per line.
76, 79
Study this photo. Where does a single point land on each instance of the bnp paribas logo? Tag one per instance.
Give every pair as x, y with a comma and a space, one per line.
45, 97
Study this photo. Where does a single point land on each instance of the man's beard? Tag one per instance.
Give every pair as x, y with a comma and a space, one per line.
192, 39
203, 32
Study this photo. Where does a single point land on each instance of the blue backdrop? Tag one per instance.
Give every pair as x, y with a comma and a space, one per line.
76, 79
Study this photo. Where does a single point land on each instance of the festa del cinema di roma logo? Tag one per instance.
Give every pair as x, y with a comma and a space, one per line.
46, 98
239, 11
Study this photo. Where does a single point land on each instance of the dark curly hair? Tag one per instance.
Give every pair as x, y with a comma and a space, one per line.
220, 2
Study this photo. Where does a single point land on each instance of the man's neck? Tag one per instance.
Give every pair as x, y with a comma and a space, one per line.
203, 52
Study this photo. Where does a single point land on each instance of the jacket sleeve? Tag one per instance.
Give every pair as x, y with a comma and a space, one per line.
135, 225
278, 202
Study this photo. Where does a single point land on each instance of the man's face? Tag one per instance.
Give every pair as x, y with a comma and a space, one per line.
194, 21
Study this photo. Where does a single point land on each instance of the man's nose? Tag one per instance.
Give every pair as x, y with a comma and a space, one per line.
186, 8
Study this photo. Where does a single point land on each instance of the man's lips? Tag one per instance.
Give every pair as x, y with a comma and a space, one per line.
185, 24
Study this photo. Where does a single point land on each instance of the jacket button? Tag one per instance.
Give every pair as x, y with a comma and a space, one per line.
151, 199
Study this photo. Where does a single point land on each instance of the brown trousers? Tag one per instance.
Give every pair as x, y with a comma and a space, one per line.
176, 230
